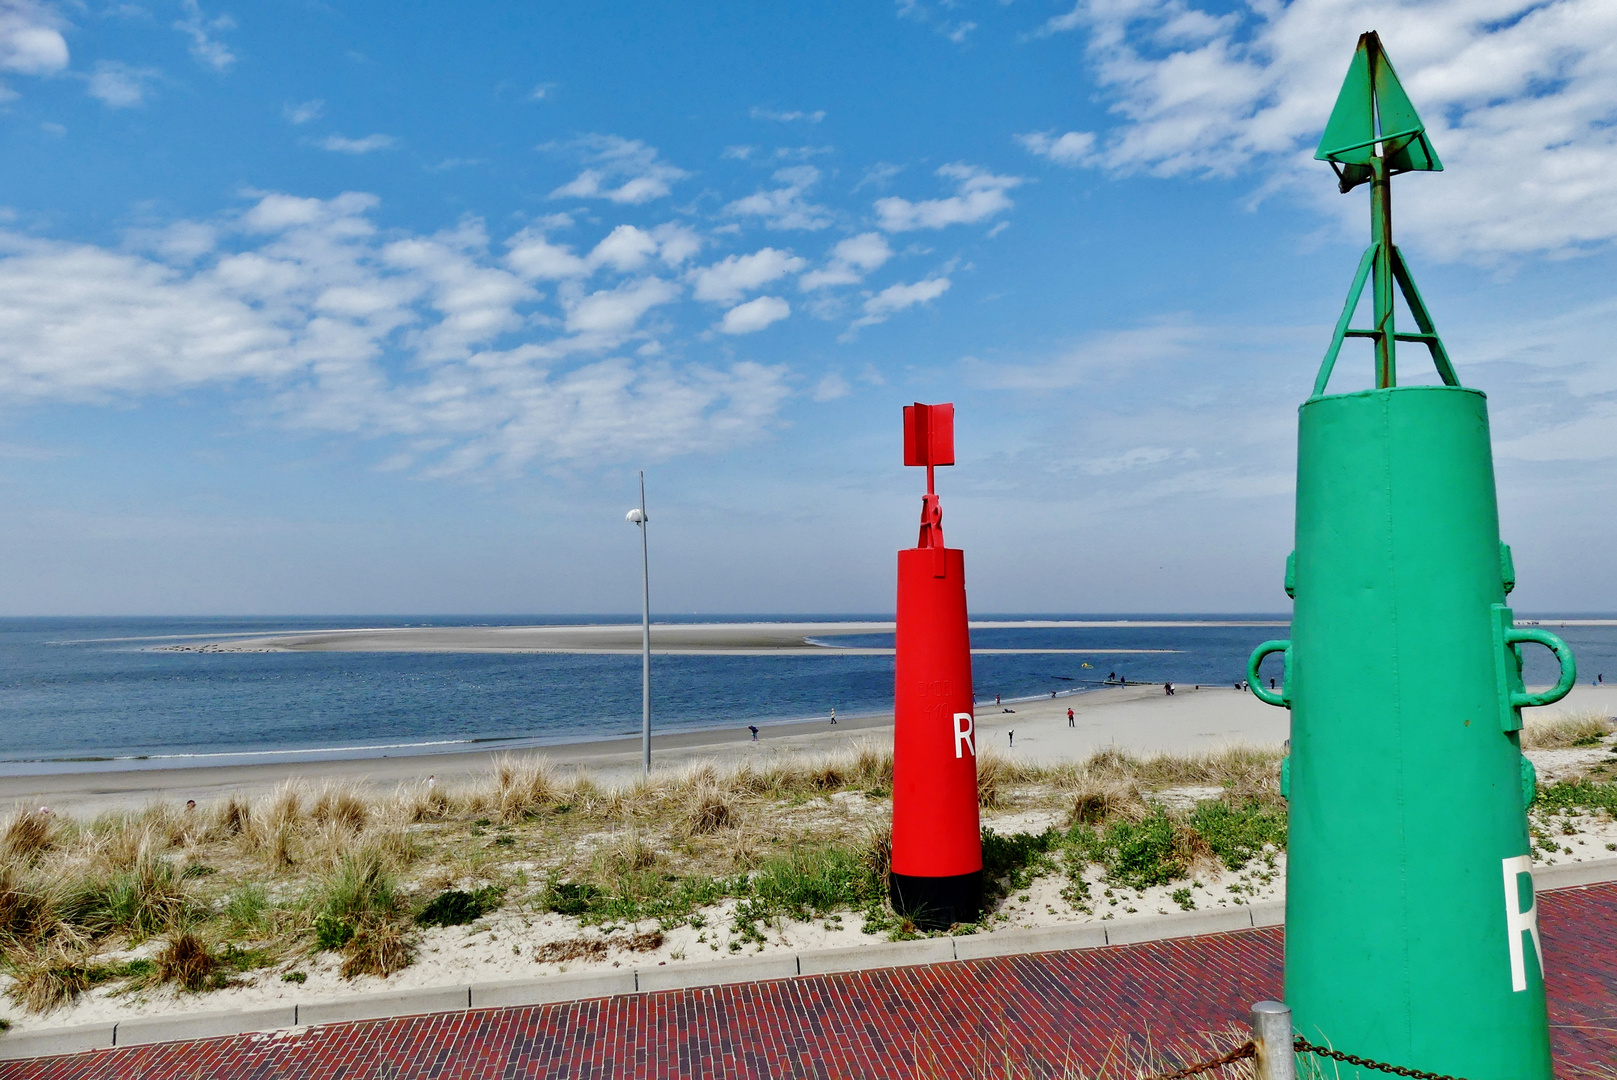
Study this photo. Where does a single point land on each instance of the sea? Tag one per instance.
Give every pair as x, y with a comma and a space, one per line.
85, 694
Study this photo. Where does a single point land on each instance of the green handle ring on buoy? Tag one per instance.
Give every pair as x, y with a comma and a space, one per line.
1282, 699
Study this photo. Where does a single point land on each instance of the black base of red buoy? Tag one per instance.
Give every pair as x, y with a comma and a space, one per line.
937, 903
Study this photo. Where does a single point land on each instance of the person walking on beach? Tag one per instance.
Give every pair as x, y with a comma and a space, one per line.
833, 714
1070, 722
1012, 734
996, 699
1168, 687
754, 729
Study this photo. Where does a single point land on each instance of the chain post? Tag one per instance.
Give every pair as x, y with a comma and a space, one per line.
1271, 1033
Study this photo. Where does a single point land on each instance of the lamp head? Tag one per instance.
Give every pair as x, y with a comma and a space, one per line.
636, 516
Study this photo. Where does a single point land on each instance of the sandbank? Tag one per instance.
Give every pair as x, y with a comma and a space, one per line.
698, 639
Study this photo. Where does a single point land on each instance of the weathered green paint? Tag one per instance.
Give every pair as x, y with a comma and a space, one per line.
1405, 776
1410, 932
1373, 117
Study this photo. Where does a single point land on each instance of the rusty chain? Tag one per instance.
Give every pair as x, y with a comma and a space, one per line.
1245, 1050
1303, 1046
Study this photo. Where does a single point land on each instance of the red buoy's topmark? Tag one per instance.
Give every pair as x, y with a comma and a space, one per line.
937, 872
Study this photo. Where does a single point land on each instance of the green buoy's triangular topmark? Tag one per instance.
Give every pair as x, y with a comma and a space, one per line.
1373, 108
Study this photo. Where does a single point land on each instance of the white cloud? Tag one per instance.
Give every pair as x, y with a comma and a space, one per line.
1519, 97
1073, 148
896, 298
541, 91
625, 248
621, 170
343, 145
754, 315
726, 281
303, 112
981, 195
423, 339
199, 28
613, 313
119, 85
788, 117
785, 207
830, 388
31, 41
850, 261
956, 30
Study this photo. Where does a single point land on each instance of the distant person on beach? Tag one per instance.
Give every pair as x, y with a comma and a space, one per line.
754, 729
1168, 687
1271, 683
1052, 693
1012, 734
996, 699
833, 714
1111, 676
1070, 722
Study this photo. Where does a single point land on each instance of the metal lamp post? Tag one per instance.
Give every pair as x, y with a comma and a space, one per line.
637, 516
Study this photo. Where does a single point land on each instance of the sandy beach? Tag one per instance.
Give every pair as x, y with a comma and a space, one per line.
1141, 718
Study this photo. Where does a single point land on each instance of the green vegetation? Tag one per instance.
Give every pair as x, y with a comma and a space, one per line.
363, 878
456, 907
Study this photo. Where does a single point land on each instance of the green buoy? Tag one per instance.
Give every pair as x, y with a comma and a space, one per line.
1411, 930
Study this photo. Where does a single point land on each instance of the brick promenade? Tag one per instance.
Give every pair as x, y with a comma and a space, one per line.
1022, 1016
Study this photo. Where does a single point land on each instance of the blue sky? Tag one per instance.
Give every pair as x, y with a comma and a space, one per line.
340, 308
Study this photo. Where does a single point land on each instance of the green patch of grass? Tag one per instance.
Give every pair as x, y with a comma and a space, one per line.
295, 977
1578, 795
1012, 862
247, 908
1142, 853
814, 882
236, 958
457, 907
142, 901
570, 897
1183, 898
140, 970
1237, 834
362, 889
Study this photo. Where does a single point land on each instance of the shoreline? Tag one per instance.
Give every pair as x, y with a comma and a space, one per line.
1139, 718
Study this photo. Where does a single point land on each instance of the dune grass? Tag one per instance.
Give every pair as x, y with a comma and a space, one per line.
209, 895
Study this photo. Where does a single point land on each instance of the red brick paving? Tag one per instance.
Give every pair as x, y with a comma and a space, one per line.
1045, 1013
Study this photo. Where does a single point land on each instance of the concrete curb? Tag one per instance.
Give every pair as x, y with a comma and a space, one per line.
716, 972
381, 1006
583, 986
1572, 875
580, 986
154, 1029
53, 1041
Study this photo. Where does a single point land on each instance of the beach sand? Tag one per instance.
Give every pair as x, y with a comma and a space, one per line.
1139, 718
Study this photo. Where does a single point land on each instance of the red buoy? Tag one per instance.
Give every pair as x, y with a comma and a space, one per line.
937, 872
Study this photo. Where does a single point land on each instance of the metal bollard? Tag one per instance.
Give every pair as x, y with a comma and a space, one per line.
1271, 1032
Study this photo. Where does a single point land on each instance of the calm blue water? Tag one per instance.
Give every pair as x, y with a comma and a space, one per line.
91, 693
